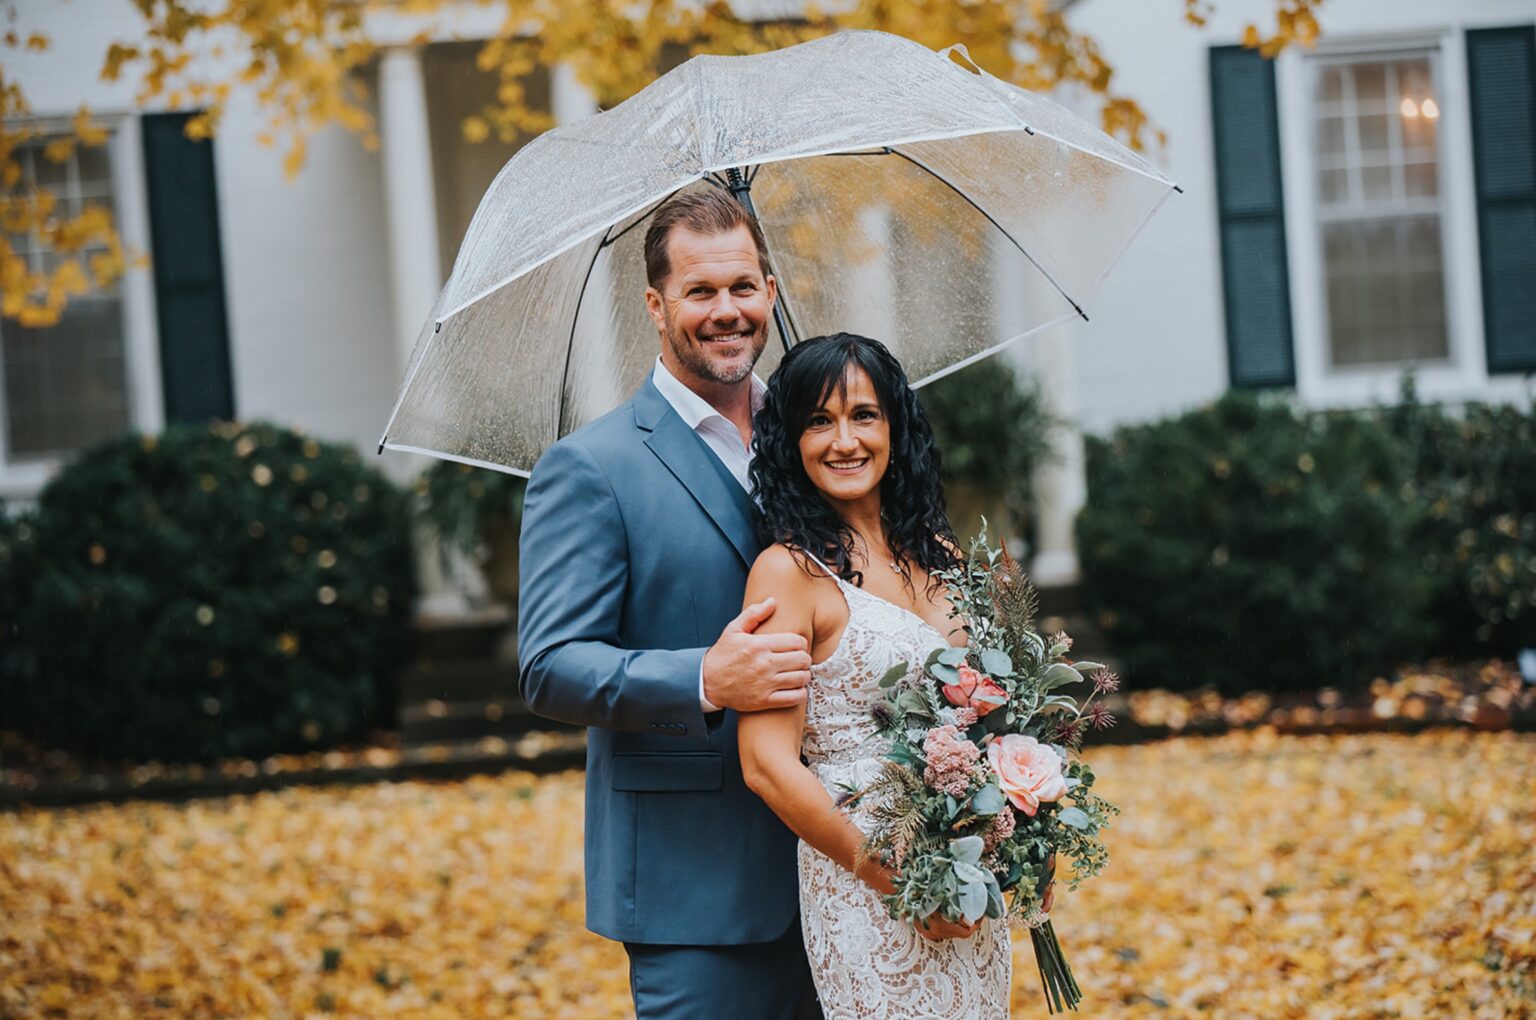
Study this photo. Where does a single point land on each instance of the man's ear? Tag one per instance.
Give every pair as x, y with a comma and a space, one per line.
654, 305
772, 285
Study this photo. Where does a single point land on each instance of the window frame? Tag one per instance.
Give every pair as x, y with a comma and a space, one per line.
1463, 374
21, 480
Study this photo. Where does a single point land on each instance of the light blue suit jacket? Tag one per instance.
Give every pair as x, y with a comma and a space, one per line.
636, 543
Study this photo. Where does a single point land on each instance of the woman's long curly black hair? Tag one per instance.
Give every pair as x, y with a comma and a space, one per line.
791, 510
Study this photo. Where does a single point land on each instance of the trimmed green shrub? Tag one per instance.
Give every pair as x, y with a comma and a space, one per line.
994, 431
1247, 546
1475, 473
239, 590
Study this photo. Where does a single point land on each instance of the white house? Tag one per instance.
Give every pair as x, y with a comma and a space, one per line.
1349, 212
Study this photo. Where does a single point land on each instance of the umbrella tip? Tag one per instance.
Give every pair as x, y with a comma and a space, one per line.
381, 447
1178, 189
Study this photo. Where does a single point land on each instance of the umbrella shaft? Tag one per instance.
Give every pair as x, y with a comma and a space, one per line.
742, 189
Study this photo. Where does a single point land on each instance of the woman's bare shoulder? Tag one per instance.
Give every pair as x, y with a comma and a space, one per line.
782, 567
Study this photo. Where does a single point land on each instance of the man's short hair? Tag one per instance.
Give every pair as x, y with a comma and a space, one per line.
704, 209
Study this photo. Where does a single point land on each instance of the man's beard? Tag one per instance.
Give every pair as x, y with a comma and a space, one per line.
692, 356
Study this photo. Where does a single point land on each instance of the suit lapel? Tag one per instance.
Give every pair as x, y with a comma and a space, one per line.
695, 465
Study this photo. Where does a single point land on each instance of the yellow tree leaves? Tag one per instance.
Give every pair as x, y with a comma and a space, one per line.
303, 60
1252, 875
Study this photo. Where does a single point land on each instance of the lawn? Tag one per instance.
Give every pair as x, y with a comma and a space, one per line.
1253, 875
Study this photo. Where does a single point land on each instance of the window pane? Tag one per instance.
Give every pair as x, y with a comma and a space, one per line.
1373, 133
1386, 297
1330, 136
1376, 182
1419, 179
1330, 84
65, 385
1334, 185
1371, 85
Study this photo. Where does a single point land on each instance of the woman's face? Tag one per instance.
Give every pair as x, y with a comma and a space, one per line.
846, 445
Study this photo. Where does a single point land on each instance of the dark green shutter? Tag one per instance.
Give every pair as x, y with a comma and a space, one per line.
1256, 285
189, 272
1501, 66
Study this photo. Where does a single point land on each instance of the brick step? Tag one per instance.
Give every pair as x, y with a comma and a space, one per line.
435, 721
457, 680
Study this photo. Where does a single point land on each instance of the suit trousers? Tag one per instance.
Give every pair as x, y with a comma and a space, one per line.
762, 981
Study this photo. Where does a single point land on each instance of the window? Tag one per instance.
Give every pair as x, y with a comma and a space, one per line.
1376, 124
64, 385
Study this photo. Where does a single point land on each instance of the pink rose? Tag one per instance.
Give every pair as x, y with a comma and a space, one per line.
963, 693
1028, 771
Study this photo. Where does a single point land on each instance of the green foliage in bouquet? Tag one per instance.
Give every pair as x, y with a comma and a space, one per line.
1246, 545
995, 431
239, 590
1475, 476
980, 792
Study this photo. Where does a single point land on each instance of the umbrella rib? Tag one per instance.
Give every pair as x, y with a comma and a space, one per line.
570, 343
990, 219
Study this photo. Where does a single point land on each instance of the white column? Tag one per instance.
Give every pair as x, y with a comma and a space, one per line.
1050, 359
569, 99
415, 272
414, 265
1063, 484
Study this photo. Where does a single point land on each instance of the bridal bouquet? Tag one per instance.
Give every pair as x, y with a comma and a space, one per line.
981, 790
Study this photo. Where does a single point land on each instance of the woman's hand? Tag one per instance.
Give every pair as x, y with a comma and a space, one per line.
882, 879
936, 929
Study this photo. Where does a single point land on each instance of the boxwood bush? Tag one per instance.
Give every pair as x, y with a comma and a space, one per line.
1475, 473
234, 590
1246, 545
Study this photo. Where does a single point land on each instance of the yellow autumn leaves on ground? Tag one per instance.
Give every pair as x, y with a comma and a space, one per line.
1253, 875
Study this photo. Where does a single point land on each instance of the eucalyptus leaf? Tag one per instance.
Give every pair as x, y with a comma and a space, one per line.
1077, 818
1058, 675
996, 662
966, 850
933, 657
912, 703
944, 674
988, 800
952, 656
893, 674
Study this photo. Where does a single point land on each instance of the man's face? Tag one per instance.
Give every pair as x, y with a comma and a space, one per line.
713, 308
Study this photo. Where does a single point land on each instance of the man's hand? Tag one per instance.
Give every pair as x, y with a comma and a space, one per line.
750, 672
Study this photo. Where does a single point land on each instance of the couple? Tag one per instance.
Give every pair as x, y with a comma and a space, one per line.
719, 734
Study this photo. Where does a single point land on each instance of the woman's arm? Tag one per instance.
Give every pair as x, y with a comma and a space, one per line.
769, 742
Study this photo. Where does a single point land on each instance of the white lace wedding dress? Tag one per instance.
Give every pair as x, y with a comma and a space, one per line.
868, 966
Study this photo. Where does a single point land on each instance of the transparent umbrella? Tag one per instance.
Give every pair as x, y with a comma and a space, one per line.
903, 196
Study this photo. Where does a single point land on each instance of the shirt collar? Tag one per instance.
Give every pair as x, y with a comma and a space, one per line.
691, 407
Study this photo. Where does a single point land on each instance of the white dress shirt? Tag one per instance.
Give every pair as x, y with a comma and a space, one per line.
718, 434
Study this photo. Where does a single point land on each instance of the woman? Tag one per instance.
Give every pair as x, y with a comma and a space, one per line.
851, 514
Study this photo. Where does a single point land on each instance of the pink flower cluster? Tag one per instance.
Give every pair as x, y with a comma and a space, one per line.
1001, 828
951, 760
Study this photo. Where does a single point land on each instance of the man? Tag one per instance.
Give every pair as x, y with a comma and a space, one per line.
636, 542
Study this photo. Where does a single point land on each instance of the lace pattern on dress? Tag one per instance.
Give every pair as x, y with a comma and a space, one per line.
867, 965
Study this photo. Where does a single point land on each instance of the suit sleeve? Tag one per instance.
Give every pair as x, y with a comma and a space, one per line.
574, 571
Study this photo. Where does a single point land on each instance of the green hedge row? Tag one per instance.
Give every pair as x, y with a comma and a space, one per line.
234, 590
1250, 545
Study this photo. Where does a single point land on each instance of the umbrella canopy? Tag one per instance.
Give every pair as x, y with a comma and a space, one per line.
903, 196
